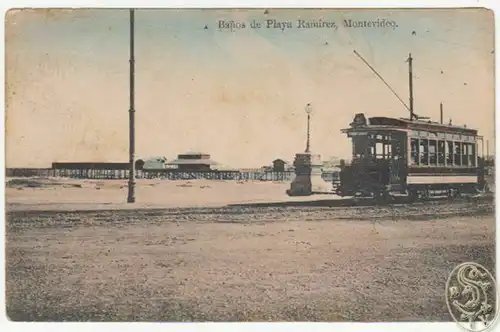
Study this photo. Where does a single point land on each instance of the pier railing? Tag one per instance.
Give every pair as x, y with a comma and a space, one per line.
165, 174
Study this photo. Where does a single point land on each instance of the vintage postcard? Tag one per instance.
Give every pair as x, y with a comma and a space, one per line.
328, 165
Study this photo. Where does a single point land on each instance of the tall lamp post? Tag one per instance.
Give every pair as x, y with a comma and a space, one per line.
308, 175
131, 112
308, 110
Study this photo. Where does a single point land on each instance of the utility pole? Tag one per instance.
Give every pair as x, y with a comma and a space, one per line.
441, 112
410, 74
131, 112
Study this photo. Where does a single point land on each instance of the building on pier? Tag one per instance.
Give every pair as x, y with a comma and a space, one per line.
193, 162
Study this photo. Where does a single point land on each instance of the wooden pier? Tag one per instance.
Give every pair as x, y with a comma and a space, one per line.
164, 174
115, 173
120, 171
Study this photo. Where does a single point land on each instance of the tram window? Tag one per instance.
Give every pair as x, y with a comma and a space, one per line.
414, 151
379, 150
449, 153
458, 154
424, 152
441, 152
469, 155
399, 145
465, 154
472, 155
371, 150
432, 152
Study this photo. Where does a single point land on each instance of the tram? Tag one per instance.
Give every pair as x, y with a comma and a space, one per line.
415, 158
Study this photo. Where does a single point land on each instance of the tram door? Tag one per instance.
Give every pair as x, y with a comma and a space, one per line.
397, 164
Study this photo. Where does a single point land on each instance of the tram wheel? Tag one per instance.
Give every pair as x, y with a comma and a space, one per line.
413, 195
454, 193
382, 197
483, 188
425, 194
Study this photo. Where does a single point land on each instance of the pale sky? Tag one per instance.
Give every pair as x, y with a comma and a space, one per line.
237, 95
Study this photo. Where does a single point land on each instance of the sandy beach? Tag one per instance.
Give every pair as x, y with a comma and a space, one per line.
183, 254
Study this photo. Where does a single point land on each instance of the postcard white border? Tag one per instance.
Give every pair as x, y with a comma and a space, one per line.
219, 327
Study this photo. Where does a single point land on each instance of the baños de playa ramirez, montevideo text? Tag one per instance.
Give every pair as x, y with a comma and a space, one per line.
233, 25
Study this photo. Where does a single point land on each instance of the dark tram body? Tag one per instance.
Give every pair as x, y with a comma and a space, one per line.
414, 158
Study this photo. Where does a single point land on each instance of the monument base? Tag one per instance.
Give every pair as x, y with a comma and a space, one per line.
308, 180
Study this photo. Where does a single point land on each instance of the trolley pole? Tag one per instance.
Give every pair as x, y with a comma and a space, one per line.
131, 112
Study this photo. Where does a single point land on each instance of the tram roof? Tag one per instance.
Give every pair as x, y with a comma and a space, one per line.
380, 122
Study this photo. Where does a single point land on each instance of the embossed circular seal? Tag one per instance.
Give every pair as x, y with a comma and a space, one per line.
471, 297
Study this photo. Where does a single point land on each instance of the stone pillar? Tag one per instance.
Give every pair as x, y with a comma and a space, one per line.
308, 180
